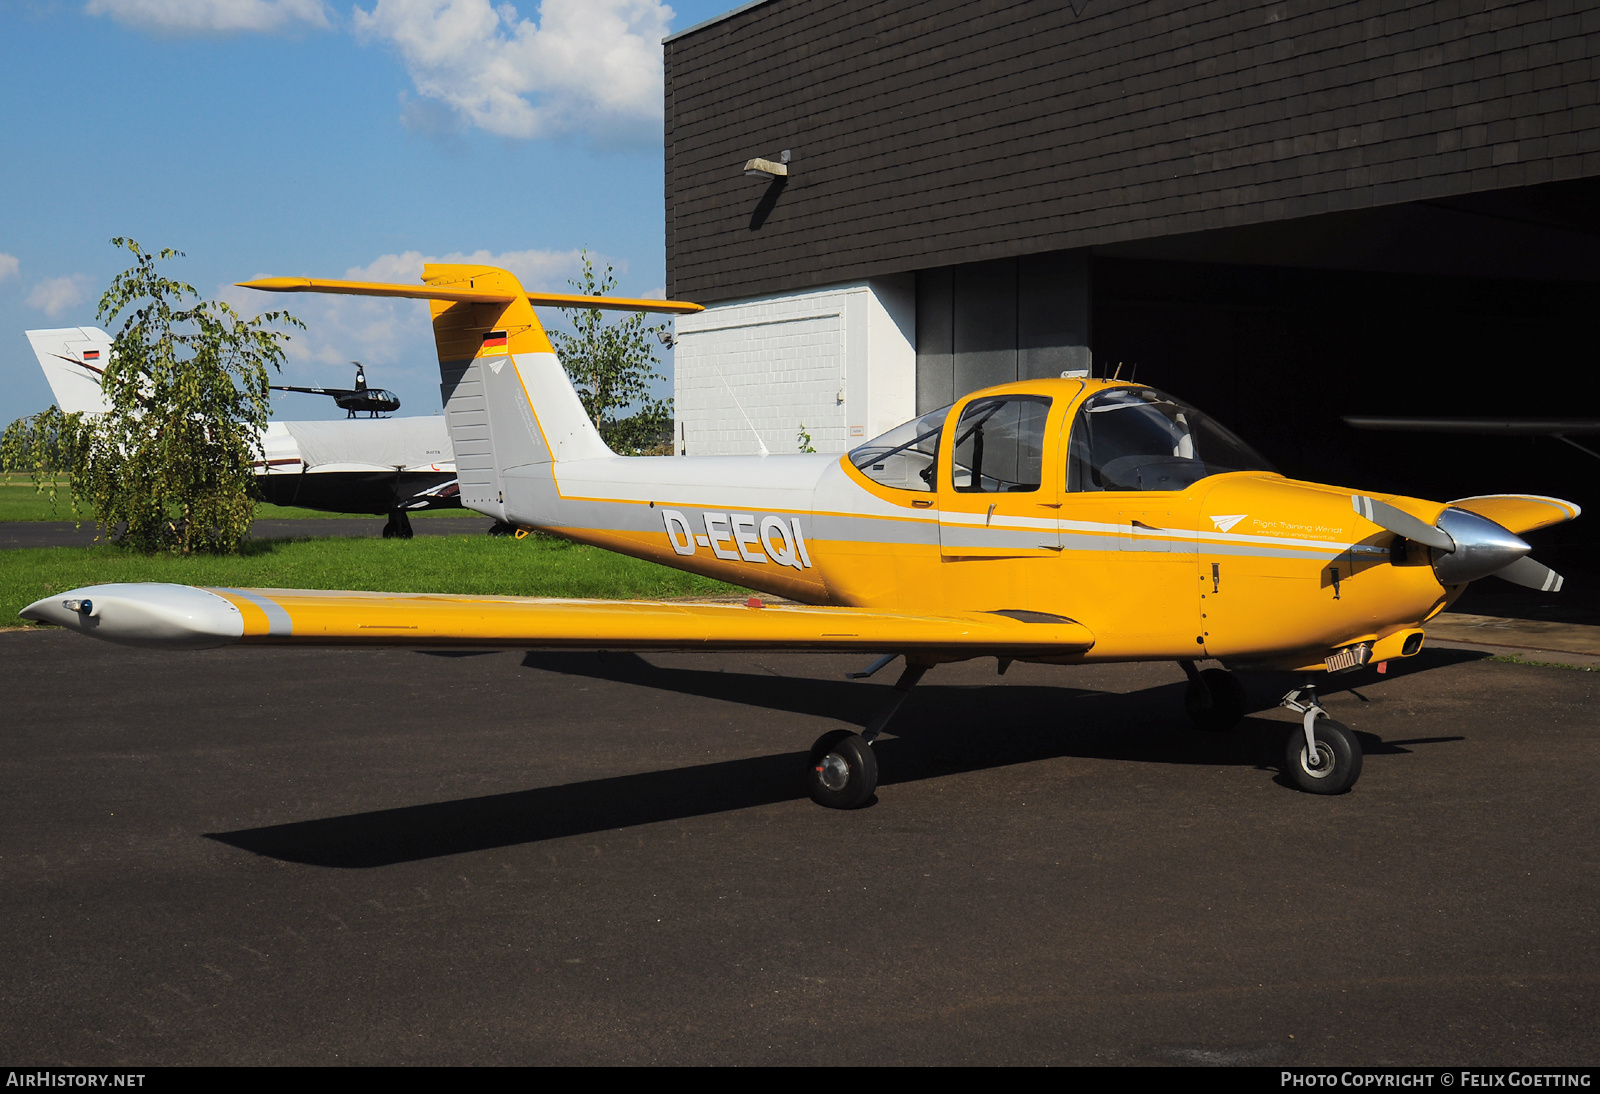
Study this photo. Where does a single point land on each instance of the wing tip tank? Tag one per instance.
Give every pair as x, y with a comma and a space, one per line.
152, 615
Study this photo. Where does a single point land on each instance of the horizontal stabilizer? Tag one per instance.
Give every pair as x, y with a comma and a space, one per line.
469, 295
160, 615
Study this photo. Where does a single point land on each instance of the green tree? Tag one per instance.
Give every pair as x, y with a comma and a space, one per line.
612, 366
44, 445
187, 383
41, 443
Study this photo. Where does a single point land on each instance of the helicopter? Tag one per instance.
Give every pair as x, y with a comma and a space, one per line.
374, 401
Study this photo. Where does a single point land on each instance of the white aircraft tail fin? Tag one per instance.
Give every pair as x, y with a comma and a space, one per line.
73, 359
507, 400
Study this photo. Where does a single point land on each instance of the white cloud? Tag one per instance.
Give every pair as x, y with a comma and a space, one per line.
537, 270
8, 266
590, 66
60, 293
212, 16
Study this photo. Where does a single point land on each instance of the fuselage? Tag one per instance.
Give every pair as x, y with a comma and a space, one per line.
373, 466
1242, 565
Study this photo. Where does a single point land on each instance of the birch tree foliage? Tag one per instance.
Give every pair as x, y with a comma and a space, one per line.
43, 445
168, 467
612, 365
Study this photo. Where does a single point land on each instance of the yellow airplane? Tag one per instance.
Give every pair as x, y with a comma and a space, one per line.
1064, 521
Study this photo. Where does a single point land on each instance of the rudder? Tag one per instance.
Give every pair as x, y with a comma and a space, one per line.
508, 402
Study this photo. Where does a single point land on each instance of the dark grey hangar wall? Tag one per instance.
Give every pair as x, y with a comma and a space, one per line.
1283, 211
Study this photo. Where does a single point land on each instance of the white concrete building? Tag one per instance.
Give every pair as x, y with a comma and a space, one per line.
840, 361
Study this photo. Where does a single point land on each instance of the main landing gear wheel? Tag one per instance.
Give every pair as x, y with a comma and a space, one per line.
842, 772
1227, 701
1338, 761
399, 526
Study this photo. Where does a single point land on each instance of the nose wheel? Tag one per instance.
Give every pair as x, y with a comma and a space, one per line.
1324, 757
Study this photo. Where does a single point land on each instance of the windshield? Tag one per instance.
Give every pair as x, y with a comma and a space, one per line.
903, 457
1142, 439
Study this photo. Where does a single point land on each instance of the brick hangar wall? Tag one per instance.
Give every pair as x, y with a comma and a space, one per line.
932, 132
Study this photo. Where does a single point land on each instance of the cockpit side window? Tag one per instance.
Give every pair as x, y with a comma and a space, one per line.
904, 457
1141, 439
999, 445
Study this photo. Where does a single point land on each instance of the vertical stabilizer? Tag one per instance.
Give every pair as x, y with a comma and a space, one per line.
507, 400
73, 359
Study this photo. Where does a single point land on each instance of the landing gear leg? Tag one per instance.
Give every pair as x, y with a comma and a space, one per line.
1325, 758
399, 526
1215, 700
842, 772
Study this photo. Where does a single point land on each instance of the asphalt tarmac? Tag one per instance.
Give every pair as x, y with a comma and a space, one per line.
317, 856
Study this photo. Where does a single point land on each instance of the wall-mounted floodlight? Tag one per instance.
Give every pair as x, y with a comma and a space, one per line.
765, 169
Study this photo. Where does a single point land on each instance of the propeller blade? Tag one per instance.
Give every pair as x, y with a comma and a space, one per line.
1532, 575
1387, 516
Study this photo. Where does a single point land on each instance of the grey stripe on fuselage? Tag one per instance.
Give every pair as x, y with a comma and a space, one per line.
961, 536
531, 496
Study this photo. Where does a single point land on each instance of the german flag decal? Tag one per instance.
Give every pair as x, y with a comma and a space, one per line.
494, 344
91, 355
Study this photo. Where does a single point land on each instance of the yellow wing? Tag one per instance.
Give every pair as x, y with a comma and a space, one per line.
188, 617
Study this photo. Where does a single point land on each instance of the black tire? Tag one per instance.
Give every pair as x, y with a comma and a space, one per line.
501, 528
1228, 702
842, 772
1339, 752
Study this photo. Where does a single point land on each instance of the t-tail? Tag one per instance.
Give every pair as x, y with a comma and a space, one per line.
528, 454
510, 408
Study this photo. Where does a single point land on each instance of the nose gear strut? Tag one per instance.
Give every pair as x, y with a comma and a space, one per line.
1325, 761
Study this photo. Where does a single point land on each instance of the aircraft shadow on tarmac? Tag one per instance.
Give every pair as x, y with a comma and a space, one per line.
941, 730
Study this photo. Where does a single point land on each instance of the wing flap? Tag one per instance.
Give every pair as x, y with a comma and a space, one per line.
354, 618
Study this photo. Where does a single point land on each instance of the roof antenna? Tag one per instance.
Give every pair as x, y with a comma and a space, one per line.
759, 442
1117, 373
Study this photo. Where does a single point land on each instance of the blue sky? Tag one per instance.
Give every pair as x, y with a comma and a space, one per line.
324, 138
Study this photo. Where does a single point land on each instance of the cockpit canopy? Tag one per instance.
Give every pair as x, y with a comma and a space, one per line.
904, 457
1143, 439
1122, 439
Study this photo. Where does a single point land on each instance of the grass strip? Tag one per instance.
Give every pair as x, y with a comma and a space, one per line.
19, 501
1515, 659
534, 566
